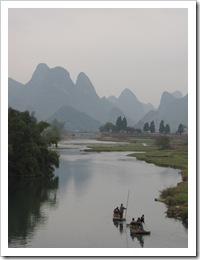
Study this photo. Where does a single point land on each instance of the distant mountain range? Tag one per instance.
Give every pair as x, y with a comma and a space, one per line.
51, 94
172, 110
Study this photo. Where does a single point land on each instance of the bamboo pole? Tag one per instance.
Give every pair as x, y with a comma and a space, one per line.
127, 203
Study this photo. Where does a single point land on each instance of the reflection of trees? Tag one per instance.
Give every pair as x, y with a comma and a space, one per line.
78, 172
25, 199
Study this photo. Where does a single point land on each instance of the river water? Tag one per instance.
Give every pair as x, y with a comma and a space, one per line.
75, 209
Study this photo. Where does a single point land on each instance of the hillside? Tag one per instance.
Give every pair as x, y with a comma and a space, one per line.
75, 120
171, 109
51, 89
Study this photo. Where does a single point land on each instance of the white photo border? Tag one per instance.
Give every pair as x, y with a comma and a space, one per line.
192, 236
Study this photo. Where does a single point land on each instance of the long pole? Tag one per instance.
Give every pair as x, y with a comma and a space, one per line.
126, 213
127, 203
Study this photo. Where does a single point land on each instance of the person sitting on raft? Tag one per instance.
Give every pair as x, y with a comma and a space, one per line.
116, 212
132, 222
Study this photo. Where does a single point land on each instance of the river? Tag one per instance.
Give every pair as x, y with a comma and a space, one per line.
75, 209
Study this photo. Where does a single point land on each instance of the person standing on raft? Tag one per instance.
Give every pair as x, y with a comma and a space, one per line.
121, 211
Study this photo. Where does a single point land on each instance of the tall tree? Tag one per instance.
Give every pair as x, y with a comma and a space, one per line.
162, 127
124, 124
180, 129
152, 127
146, 127
119, 123
167, 129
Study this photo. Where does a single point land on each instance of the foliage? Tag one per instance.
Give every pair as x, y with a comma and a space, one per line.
152, 127
108, 127
133, 130
28, 153
163, 141
124, 123
176, 199
162, 127
52, 133
43, 125
120, 125
146, 127
180, 129
167, 129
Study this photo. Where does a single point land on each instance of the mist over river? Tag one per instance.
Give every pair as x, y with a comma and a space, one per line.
75, 210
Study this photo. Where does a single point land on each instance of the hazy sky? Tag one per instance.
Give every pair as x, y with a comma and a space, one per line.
144, 50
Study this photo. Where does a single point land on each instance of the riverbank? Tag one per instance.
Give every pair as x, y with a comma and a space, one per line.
176, 198
176, 156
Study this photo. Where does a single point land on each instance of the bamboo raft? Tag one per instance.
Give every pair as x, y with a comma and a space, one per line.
116, 217
138, 229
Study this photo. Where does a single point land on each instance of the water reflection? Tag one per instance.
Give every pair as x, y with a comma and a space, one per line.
119, 225
25, 201
74, 172
140, 238
90, 185
124, 228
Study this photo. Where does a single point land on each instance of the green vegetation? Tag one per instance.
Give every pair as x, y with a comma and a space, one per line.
120, 126
176, 198
163, 141
174, 155
180, 129
151, 128
162, 127
146, 127
28, 153
167, 158
52, 132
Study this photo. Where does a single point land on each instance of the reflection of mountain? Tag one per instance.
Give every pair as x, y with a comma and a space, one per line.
25, 199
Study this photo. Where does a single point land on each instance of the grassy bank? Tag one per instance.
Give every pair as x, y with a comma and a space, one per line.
176, 198
176, 156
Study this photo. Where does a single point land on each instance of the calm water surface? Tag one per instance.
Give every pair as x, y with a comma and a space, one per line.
75, 210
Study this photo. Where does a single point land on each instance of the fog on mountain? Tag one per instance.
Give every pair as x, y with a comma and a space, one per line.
51, 94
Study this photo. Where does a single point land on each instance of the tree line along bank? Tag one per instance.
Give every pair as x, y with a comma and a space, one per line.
28, 142
121, 126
